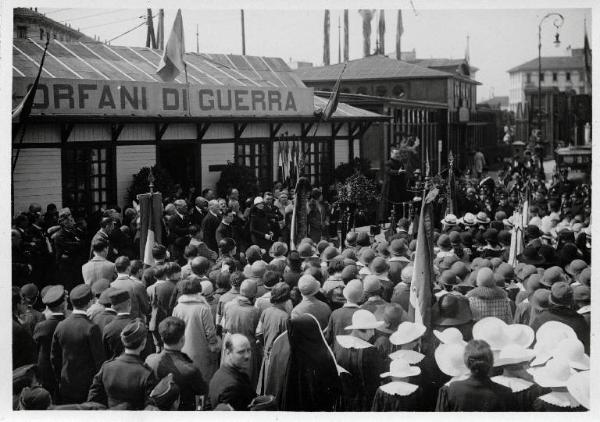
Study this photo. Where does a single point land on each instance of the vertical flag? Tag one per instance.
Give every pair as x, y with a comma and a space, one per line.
367, 16
334, 99
382, 31
516, 239
326, 39
172, 62
399, 32
346, 36
466, 69
150, 224
421, 288
587, 58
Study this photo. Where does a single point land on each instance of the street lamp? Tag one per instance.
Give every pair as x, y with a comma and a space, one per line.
558, 22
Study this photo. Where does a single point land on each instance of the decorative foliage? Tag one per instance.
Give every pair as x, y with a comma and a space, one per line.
361, 165
240, 177
358, 189
163, 183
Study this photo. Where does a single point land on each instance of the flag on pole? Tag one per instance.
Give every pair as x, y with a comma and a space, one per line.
172, 62
150, 224
421, 288
346, 36
22, 111
399, 32
381, 31
587, 58
326, 38
334, 99
516, 239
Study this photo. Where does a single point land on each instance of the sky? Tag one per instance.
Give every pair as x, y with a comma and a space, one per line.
499, 39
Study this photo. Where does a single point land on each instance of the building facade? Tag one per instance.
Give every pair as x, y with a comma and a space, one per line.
29, 23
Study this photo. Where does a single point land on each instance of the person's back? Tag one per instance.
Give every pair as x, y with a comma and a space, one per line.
477, 395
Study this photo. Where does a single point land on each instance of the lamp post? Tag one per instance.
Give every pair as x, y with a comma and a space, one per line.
558, 22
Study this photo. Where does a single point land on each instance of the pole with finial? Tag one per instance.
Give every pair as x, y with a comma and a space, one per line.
151, 181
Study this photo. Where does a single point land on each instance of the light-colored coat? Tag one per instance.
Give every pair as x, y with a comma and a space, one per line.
201, 342
96, 269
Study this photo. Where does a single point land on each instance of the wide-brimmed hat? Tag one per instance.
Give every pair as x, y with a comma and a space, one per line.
451, 310
364, 320
448, 278
305, 250
585, 276
398, 247
468, 219
520, 334
482, 218
579, 387
353, 291
532, 231
561, 293
492, 330
531, 256
329, 253
450, 335
450, 220
524, 270
553, 275
572, 350
547, 337
555, 373
450, 360
513, 354
401, 369
407, 332
411, 356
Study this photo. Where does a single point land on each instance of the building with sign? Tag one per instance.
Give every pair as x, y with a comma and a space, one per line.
101, 114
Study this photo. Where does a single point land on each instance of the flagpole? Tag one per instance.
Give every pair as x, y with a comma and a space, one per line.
188, 89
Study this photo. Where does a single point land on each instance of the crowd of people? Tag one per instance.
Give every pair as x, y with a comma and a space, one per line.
230, 316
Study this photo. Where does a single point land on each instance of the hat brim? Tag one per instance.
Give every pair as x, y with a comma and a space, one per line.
370, 326
397, 340
443, 338
411, 356
583, 364
463, 315
410, 372
546, 380
446, 366
525, 260
478, 221
448, 223
514, 360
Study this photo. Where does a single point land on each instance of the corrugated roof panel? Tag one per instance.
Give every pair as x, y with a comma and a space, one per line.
51, 64
257, 63
111, 53
238, 61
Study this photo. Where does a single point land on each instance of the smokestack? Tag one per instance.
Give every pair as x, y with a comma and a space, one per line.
326, 39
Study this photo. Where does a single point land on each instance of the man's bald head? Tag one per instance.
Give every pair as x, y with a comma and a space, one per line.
248, 289
201, 202
237, 351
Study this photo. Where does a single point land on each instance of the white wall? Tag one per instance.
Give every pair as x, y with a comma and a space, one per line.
130, 159
214, 154
37, 178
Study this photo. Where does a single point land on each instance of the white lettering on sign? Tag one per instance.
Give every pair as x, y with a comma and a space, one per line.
66, 96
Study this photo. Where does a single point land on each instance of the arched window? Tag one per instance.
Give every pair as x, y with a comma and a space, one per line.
361, 90
398, 91
381, 91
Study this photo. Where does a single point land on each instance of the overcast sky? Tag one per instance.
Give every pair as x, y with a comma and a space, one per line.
499, 39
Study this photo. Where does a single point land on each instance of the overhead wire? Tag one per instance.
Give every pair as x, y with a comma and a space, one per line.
94, 15
111, 23
127, 32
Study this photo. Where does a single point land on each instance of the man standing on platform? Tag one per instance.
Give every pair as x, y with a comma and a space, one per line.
395, 182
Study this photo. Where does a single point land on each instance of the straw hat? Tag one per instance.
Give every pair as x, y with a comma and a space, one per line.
468, 219
555, 373
401, 369
449, 358
482, 218
407, 332
579, 387
364, 320
513, 354
571, 350
492, 330
410, 356
450, 220
450, 335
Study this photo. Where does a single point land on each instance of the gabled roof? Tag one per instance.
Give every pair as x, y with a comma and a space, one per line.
371, 67
551, 63
95, 60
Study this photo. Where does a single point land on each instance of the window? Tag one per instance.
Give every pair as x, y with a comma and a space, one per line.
528, 76
317, 161
568, 76
381, 91
542, 77
257, 156
554, 76
398, 91
88, 177
361, 90
41, 33
21, 32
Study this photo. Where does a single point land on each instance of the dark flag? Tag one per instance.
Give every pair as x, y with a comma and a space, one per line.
150, 224
346, 36
421, 288
367, 15
399, 32
587, 57
381, 31
334, 99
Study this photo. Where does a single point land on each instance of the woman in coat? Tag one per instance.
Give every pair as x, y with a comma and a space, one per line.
201, 342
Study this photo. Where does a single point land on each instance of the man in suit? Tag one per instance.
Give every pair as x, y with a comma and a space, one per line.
107, 314
68, 248
23, 347
180, 221
210, 224
107, 225
55, 300
120, 301
225, 229
98, 267
173, 361
76, 353
199, 212
125, 382
140, 307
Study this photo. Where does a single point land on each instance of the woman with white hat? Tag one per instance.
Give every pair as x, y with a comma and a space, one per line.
477, 392
555, 375
514, 360
362, 360
450, 362
398, 395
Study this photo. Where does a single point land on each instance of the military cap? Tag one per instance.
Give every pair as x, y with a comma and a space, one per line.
29, 291
80, 295
165, 393
104, 298
54, 295
118, 296
99, 286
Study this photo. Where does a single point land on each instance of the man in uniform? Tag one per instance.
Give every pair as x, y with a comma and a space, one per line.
67, 245
120, 301
43, 332
76, 352
125, 382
